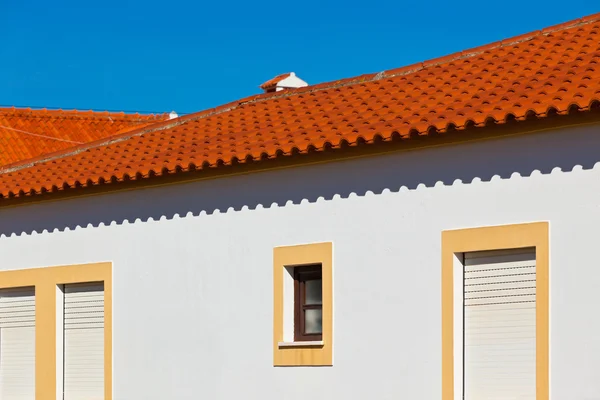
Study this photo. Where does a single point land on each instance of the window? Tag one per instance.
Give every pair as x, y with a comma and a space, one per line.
495, 315
40, 300
303, 305
308, 303
499, 319
17, 343
83, 341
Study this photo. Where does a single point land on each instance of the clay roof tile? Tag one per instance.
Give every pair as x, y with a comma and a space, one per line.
550, 71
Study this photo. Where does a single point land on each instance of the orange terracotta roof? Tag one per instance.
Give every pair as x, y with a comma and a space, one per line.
538, 74
27, 133
273, 82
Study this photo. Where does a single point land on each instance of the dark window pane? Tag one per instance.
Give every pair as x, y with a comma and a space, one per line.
313, 321
314, 293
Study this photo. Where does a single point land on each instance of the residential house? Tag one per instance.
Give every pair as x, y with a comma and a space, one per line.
427, 232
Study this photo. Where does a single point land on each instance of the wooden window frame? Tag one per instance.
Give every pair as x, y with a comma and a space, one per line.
301, 275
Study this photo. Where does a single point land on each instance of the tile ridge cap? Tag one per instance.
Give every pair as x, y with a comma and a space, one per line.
409, 69
30, 112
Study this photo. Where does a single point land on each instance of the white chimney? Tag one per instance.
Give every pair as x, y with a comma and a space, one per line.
283, 81
173, 115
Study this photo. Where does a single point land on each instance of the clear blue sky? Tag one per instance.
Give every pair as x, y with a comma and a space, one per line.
186, 56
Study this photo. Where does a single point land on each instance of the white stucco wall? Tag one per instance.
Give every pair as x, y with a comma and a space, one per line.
189, 281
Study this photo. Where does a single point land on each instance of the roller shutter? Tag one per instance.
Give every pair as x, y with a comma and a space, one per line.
17, 344
500, 325
84, 342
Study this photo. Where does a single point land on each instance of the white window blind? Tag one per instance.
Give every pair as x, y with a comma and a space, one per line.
17, 344
84, 342
500, 325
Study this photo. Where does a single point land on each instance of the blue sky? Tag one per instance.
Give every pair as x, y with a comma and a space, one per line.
148, 55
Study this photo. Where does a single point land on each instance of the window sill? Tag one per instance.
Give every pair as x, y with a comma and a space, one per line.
316, 343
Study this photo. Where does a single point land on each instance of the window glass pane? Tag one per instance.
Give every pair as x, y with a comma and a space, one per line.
313, 321
314, 293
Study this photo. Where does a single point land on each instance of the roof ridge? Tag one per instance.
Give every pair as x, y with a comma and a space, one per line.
259, 98
409, 69
30, 112
477, 50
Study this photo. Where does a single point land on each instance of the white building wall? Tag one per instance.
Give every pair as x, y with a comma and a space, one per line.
189, 281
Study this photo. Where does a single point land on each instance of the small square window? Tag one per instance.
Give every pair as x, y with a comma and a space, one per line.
308, 303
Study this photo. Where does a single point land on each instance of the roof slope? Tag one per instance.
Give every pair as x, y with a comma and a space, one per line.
541, 73
27, 133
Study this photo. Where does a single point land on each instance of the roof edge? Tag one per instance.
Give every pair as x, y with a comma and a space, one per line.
165, 177
74, 113
160, 125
